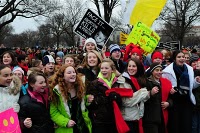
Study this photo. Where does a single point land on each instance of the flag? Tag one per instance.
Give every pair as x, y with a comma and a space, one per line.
145, 11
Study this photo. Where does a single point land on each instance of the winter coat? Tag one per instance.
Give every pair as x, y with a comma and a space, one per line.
39, 114
133, 107
153, 112
60, 114
101, 108
169, 73
9, 96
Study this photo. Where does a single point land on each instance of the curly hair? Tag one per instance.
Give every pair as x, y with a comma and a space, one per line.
65, 87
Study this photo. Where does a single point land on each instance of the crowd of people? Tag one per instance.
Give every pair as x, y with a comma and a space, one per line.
114, 90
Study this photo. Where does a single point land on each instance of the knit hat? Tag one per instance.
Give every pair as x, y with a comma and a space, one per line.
114, 47
156, 54
193, 58
17, 68
137, 50
153, 66
90, 40
47, 59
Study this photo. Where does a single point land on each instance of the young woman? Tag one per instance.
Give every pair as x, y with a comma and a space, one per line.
181, 76
69, 60
156, 108
8, 58
9, 89
58, 63
34, 107
133, 107
17, 71
90, 67
101, 108
67, 108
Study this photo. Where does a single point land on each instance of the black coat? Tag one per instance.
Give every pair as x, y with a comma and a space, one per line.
101, 109
39, 114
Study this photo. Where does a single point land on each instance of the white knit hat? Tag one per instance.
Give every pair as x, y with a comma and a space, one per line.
90, 40
17, 68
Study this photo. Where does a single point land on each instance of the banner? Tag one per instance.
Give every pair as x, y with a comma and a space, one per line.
144, 37
145, 11
123, 38
9, 122
91, 25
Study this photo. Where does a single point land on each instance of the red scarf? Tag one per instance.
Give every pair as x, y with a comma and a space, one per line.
166, 87
40, 97
119, 120
137, 86
24, 67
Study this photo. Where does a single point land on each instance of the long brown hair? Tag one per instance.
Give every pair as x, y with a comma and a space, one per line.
65, 87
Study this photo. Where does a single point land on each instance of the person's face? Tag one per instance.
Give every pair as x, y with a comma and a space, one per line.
198, 65
106, 70
26, 60
180, 59
132, 68
157, 73
157, 60
18, 74
90, 46
135, 56
58, 60
5, 76
41, 67
40, 84
194, 64
7, 59
187, 58
99, 37
49, 67
116, 54
70, 75
92, 59
69, 61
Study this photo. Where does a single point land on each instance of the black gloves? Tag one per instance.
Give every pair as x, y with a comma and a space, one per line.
113, 96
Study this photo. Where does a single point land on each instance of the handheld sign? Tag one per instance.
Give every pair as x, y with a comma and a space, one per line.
91, 25
9, 122
144, 37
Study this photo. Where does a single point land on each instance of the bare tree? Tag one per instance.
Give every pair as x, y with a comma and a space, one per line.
107, 6
10, 9
56, 25
5, 32
74, 10
179, 16
45, 36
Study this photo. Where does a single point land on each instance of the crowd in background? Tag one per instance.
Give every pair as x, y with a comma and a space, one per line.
115, 90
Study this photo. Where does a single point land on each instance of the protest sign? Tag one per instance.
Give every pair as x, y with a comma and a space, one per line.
9, 122
91, 25
123, 37
144, 37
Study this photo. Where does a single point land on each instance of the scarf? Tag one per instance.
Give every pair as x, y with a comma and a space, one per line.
121, 125
184, 81
40, 97
24, 67
135, 83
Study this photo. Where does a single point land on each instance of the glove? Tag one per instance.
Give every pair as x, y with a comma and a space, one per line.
16, 107
113, 96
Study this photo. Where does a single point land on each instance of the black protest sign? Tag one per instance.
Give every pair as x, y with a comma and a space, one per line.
94, 26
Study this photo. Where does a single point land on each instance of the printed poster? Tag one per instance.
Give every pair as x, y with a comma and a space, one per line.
94, 26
